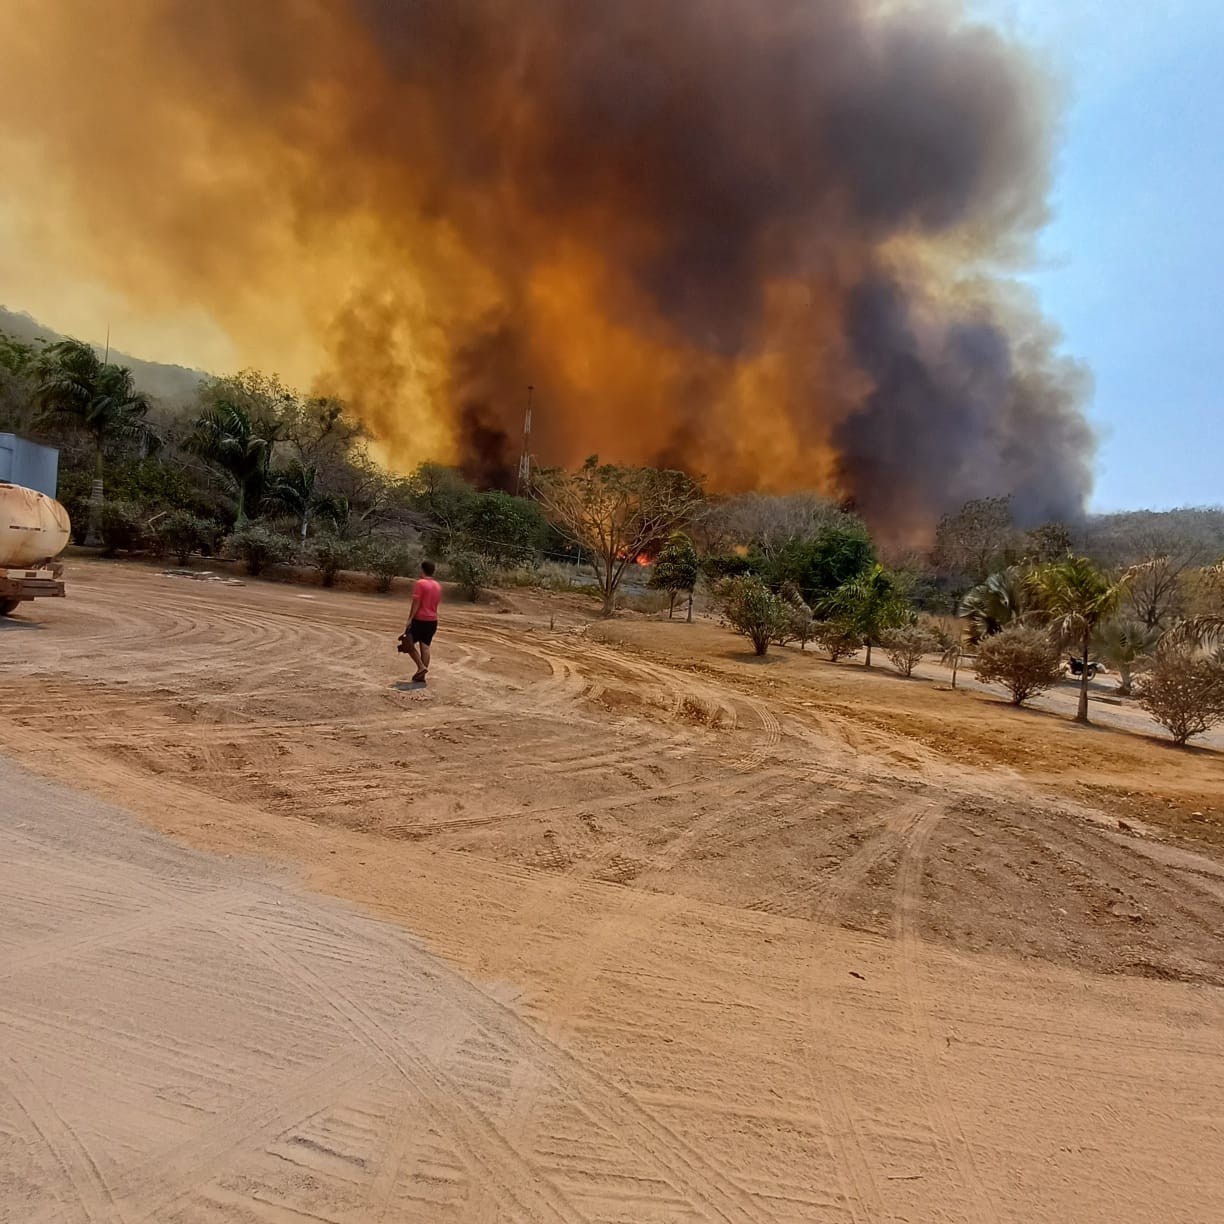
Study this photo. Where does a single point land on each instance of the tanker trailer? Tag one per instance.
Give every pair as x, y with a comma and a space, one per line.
34, 530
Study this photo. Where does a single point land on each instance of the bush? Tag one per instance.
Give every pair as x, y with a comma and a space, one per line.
329, 555
181, 533
387, 560
906, 646
837, 639
122, 527
752, 610
469, 571
1184, 692
1025, 661
258, 546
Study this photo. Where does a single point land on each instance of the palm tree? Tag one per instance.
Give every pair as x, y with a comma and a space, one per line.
239, 446
1001, 600
1076, 598
1123, 642
1206, 627
867, 605
294, 489
74, 385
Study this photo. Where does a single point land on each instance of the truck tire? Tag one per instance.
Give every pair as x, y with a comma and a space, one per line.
7, 606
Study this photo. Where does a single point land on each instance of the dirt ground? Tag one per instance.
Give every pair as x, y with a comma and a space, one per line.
666, 933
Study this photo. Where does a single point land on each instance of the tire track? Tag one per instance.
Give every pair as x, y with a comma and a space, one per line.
63, 1144
910, 955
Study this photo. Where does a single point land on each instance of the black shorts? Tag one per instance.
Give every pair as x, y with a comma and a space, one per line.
422, 632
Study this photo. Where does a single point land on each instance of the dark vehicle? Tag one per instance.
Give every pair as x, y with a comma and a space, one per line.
1078, 666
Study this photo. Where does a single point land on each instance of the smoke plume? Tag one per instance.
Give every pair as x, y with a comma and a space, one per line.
765, 240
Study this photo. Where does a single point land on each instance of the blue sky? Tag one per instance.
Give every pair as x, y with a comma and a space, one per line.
1132, 266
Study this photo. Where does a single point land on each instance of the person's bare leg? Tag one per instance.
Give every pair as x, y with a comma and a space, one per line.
424, 657
413, 651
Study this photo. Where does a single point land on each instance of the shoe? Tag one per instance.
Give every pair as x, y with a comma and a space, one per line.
419, 678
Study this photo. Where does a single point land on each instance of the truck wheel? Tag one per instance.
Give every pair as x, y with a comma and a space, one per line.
7, 606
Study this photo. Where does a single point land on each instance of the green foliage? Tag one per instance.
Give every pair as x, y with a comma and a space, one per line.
294, 490
1075, 597
75, 386
238, 446
470, 573
181, 533
752, 610
1183, 690
258, 546
675, 568
868, 605
1003, 599
1023, 659
617, 513
817, 565
329, 554
837, 639
906, 644
504, 530
122, 527
717, 566
1122, 643
388, 559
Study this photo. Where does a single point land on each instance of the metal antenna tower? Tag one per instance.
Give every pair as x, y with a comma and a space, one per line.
524, 472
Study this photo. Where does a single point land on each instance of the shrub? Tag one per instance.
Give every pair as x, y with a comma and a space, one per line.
752, 610
1025, 661
1184, 692
837, 639
906, 645
470, 573
329, 555
122, 527
387, 560
180, 532
258, 546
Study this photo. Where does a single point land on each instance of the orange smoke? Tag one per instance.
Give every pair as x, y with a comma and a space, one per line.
745, 237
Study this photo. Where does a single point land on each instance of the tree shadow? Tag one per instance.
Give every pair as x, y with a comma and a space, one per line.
748, 656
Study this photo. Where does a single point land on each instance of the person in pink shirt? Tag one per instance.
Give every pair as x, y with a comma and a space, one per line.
422, 620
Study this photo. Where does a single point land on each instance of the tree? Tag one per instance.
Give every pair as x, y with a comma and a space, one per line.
239, 446
817, 565
1048, 542
972, 542
798, 622
766, 522
1003, 599
1205, 624
74, 385
330, 554
294, 490
906, 645
1025, 660
676, 571
1122, 642
1076, 598
868, 605
470, 573
1183, 690
617, 514
951, 658
502, 529
752, 610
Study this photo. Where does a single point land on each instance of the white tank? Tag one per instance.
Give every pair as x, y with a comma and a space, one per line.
33, 527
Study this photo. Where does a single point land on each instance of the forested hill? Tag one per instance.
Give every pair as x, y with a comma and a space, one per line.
172, 384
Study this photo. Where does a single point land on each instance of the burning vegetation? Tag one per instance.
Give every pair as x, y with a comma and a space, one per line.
765, 241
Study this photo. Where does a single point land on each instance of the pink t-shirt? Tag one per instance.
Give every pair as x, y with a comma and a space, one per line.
428, 595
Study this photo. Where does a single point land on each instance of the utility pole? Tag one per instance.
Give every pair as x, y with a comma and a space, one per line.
524, 472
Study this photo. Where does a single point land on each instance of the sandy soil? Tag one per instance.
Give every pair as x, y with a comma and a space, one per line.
663, 933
